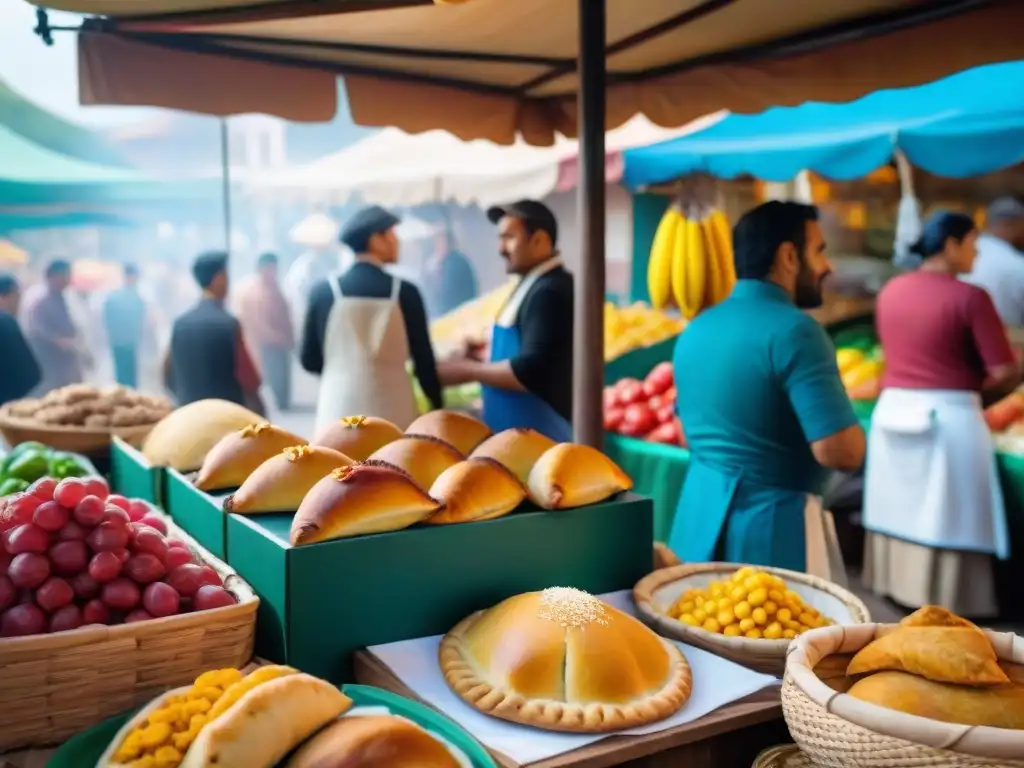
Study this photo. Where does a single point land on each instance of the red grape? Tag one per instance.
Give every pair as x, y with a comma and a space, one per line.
137, 615
54, 593
27, 538
5, 560
66, 618
89, 511
144, 568
154, 520
85, 586
115, 516
43, 488
176, 544
186, 579
50, 516
95, 612
18, 511
28, 570
120, 594
69, 492
177, 556
210, 576
69, 557
9, 593
104, 566
146, 539
72, 532
97, 486
122, 555
160, 599
138, 509
208, 597
118, 501
24, 619
107, 537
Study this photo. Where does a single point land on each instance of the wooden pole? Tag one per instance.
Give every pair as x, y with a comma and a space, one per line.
588, 363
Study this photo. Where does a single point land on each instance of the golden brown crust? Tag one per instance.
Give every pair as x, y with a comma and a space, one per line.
517, 449
182, 439
281, 482
372, 741
357, 436
572, 475
507, 663
239, 454
422, 458
475, 489
457, 429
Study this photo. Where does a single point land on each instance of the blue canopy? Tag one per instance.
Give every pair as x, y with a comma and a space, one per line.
963, 125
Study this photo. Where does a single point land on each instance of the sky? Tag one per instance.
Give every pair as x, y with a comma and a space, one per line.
49, 75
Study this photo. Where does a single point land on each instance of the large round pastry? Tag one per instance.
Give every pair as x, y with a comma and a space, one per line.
562, 660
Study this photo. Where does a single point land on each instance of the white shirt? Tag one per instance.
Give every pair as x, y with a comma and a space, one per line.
999, 269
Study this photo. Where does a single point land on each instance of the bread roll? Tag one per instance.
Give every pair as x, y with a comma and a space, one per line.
237, 455
182, 439
357, 436
475, 489
281, 482
374, 741
423, 458
517, 449
563, 660
459, 430
371, 497
998, 707
571, 475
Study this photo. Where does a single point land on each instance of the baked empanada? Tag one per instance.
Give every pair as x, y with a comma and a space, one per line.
517, 449
475, 489
281, 482
459, 430
573, 475
237, 455
357, 436
423, 458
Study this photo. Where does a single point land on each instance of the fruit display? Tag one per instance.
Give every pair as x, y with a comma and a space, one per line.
645, 409
691, 262
472, 320
82, 405
861, 363
29, 461
635, 327
182, 439
558, 660
1007, 414
238, 454
752, 604
74, 554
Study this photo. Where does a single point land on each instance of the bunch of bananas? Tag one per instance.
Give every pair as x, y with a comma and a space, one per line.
691, 262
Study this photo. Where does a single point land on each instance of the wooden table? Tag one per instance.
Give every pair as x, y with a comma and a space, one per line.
732, 735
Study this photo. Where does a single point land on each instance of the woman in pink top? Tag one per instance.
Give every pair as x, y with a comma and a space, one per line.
933, 508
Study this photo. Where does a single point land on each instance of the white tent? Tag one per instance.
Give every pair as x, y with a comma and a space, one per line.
394, 168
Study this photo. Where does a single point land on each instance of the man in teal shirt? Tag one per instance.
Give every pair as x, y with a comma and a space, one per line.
764, 411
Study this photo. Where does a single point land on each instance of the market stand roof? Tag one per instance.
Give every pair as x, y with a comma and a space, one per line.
494, 68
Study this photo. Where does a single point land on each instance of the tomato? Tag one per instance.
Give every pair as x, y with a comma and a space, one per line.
630, 391
655, 402
666, 413
612, 419
637, 420
664, 433
670, 395
611, 398
660, 379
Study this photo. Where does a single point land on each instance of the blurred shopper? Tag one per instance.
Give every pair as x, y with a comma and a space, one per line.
208, 357
363, 326
999, 266
52, 333
125, 320
267, 323
933, 507
19, 372
448, 278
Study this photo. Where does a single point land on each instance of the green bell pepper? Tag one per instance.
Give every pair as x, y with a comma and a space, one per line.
12, 485
18, 450
63, 465
29, 465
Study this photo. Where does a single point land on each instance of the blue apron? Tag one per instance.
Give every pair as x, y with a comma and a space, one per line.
505, 409
722, 516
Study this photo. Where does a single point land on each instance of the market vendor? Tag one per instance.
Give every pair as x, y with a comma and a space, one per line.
528, 381
20, 370
362, 327
760, 399
933, 507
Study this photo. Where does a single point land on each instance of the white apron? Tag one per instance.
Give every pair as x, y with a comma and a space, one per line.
931, 472
365, 355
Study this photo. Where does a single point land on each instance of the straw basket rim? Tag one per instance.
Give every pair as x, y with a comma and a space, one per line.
970, 740
755, 650
8, 421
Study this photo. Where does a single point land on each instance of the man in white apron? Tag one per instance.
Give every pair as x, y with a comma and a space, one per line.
362, 326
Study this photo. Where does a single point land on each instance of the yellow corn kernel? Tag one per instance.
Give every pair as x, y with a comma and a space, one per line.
167, 757
154, 734
246, 684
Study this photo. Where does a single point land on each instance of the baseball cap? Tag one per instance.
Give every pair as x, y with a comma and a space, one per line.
367, 222
533, 213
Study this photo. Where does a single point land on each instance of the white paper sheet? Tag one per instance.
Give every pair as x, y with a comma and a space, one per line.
716, 682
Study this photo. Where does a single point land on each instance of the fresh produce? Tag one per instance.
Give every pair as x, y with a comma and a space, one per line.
691, 262
29, 461
635, 327
73, 554
472, 320
751, 603
861, 363
645, 409
1005, 413
82, 405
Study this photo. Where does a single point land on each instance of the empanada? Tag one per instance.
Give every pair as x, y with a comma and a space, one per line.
281, 482
459, 430
237, 455
475, 489
357, 436
423, 458
573, 475
517, 449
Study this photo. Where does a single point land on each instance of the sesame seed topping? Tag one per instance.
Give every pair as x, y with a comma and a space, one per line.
570, 607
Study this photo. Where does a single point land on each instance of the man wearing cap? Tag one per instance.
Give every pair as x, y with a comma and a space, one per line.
208, 357
267, 322
20, 371
999, 266
363, 326
528, 381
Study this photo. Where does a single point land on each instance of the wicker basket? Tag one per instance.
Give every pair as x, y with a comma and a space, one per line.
838, 731
787, 756
53, 686
91, 441
656, 592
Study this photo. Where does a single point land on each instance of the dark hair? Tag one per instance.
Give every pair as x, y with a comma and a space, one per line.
759, 233
941, 226
131, 270
266, 259
208, 265
57, 267
8, 284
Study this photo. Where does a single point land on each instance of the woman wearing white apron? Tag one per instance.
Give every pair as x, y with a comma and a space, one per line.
933, 508
362, 327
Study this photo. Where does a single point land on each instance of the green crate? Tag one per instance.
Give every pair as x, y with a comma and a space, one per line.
320, 603
133, 476
201, 514
638, 363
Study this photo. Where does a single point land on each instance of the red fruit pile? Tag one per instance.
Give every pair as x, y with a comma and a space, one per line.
645, 409
72, 554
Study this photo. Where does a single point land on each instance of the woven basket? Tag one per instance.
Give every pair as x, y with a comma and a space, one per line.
53, 686
91, 441
787, 756
655, 593
838, 731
